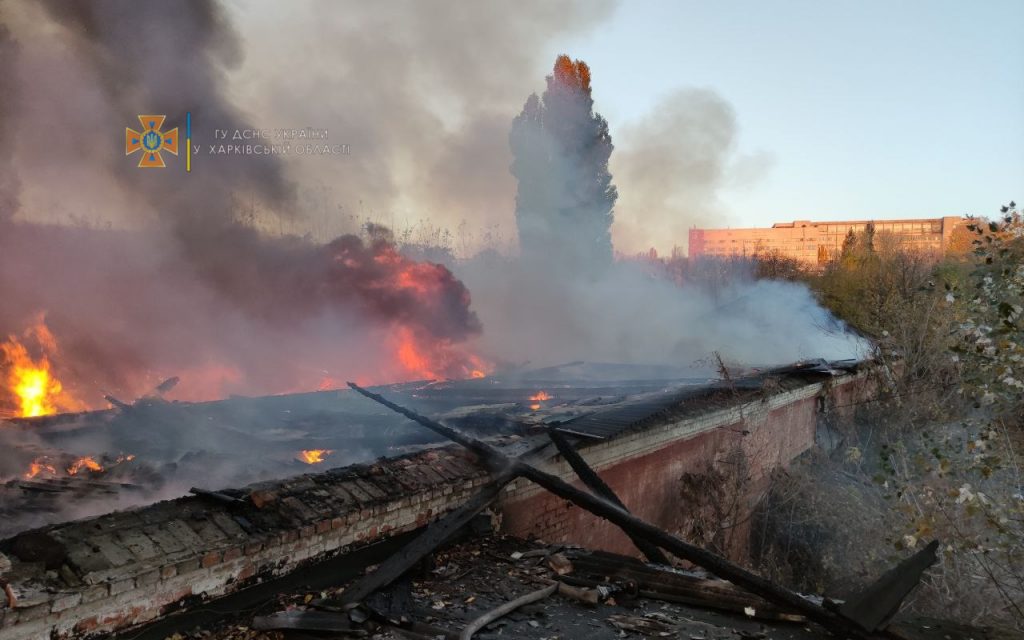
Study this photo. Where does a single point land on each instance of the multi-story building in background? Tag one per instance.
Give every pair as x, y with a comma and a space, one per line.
815, 243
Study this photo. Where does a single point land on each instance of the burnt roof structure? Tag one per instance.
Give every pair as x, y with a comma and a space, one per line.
120, 569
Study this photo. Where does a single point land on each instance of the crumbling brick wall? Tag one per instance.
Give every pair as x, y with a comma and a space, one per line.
121, 569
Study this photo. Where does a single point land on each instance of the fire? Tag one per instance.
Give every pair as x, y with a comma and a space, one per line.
436, 359
38, 466
84, 463
327, 383
412, 357
42, 465
314, 456
28, 385
537, 398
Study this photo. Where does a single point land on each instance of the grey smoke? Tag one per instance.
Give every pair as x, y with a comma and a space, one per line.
423, 91
628, 315
184, 285
673, 165
9, 183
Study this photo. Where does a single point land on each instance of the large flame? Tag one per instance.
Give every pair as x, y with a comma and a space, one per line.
28, 386
426, 354
435, 359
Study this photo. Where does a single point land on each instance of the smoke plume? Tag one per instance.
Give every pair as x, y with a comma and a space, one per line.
628, 315
186, 284
9, 184
673, 164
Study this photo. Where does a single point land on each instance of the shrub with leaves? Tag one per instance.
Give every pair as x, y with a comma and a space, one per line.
993, 331
961, 482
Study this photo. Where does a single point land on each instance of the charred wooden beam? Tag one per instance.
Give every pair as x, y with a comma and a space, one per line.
123, 406
596, 567
601, 488
488, 454
434, 536
166, 385
217, 496
632, 525
875, 606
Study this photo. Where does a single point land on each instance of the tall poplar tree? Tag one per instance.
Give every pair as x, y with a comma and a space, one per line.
565, 198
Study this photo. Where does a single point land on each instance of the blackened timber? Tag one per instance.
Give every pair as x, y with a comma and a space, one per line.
166, 385
632, 525
434, 536
488, 454
216, 496
601, 488
592, 568
123, 406
875, 606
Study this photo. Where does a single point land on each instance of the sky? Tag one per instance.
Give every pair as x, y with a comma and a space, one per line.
864, 109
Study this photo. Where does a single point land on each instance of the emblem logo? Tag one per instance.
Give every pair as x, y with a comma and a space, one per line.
151, 141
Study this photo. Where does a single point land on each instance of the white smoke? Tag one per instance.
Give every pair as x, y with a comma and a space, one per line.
629, 316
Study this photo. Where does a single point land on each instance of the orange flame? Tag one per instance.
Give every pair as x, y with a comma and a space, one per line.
412, 357
314, 456
30, 383
436, 360
327, 383
84, 463
537, 398
38, 466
